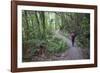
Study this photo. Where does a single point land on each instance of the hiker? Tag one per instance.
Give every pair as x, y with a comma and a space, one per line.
73, 35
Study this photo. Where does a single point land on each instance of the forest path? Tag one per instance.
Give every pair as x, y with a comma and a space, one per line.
73, 53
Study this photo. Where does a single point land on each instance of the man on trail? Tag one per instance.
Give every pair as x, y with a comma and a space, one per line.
73, 35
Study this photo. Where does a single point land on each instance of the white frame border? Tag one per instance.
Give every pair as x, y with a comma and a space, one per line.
20, 64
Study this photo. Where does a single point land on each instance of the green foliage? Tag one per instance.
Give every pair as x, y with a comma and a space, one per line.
84, 37
56, 45
38, 27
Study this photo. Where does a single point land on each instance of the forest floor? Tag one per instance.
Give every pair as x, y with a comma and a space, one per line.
72, 53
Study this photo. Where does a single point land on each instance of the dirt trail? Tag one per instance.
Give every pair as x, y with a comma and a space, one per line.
73, 52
